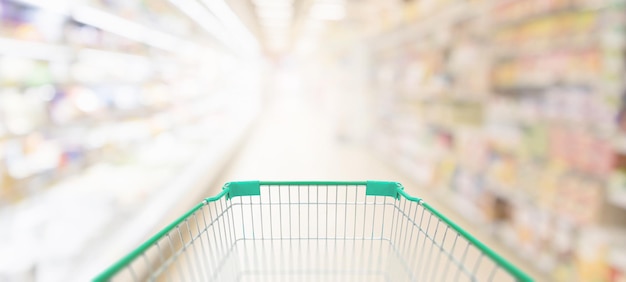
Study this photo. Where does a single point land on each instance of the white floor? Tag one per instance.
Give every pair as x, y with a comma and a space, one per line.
293, 140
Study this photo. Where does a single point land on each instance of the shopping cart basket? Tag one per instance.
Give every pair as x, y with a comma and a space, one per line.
313, 231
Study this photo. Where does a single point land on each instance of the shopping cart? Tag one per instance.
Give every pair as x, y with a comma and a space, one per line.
313, 231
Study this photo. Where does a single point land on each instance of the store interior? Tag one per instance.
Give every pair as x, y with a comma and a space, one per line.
117, 116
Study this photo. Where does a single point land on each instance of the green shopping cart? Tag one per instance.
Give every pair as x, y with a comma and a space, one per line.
313, 231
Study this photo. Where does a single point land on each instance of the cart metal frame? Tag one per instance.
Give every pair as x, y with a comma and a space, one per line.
299, 230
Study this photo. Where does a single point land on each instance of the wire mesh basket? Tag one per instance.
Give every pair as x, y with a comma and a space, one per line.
313, 231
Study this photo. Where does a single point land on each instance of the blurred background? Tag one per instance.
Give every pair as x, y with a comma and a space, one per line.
117, 115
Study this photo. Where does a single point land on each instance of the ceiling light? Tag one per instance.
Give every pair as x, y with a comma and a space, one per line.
126, 28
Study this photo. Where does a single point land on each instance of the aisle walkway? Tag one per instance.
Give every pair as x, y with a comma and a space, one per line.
293, 141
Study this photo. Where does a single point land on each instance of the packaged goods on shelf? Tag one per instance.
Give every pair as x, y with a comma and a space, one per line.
617, 262
97, 124
21, 21
549, 87
147, 170
596, 255
617, 182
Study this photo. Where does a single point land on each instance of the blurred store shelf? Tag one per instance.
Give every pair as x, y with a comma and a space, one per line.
110, 113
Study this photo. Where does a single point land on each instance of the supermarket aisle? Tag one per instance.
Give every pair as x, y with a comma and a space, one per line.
293, 140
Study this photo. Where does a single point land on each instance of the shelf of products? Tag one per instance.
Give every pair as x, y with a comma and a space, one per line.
494, 137
509, 12
77, 80
107, 117
114, 197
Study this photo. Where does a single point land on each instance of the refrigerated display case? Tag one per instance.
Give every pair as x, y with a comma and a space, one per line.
108, 114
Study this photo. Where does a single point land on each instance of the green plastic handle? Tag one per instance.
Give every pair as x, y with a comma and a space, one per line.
372, 187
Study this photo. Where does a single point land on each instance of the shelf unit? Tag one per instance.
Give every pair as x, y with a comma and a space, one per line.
108, 117
505, 149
